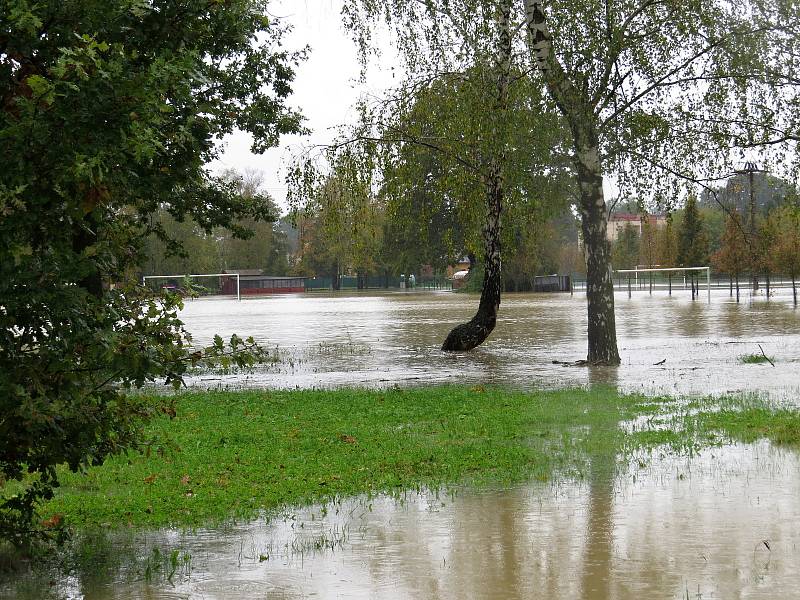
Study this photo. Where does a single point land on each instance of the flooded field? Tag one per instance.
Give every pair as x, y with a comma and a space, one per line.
725, 524
393, 339
721, 523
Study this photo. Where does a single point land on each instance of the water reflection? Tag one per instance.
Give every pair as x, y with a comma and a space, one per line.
667, 344
675, 527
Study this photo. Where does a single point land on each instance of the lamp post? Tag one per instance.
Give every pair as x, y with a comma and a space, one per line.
749, 169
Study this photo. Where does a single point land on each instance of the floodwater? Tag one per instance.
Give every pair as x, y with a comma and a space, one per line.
384, 339
725, 524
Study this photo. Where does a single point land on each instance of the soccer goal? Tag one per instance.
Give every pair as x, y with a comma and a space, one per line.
662, 278
193, 286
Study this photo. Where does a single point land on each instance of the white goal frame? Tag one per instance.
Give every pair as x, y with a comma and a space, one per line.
637, 270
238, 288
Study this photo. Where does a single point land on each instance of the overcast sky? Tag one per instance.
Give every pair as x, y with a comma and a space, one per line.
325, 89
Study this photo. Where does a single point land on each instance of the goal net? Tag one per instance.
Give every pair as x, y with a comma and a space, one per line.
664, 279
195, 286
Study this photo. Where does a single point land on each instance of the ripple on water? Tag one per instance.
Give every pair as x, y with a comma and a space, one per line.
382, 339
724, 524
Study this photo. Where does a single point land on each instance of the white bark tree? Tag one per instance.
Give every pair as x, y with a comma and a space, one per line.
661, 95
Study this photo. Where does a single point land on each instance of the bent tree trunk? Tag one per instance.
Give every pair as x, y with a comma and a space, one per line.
473, 333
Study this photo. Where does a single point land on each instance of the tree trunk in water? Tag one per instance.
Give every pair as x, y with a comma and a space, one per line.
599, 286
737, 288
730, 281
794, 290
335, 281
473, 333
578, 109
767, 282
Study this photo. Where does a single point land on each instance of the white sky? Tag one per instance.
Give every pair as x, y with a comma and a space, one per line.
326, 88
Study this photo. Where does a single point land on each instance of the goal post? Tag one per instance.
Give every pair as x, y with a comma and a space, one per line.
637, 271
185, 281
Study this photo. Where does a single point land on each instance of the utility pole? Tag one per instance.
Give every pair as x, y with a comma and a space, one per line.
749, 169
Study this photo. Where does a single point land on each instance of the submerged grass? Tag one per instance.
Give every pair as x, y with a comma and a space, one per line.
228, 455
779, 425
755, 359
232, 454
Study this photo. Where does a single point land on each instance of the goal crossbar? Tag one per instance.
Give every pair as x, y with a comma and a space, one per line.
673, 269
238, 289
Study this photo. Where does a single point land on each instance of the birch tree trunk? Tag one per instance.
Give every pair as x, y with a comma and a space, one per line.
473, 333
602, 329
583, 122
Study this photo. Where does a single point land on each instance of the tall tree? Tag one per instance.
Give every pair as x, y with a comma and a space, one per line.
626, 248
652, 91
667, 248
786, 245
473, 333
692, 242
647, 88
473, 109
108, 111
732, 257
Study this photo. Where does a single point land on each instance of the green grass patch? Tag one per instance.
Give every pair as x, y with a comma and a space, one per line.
229, 455
755, 359
779, 425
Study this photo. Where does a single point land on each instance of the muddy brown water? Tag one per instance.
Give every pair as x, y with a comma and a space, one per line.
721, 524
725, 524
375, 339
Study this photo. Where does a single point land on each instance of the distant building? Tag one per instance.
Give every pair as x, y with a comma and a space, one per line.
461, 265
252, 282
459, 279
618, 221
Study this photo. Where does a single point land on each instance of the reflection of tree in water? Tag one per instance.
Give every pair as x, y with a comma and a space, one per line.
690, 319
598, 558
598, 550
480, 555
605, 376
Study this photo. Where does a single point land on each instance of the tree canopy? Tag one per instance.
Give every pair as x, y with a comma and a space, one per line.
109, 110
663, 95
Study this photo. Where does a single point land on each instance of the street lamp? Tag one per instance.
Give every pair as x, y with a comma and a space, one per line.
749, 169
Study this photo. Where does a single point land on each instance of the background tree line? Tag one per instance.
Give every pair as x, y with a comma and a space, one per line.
182, 246
715, 230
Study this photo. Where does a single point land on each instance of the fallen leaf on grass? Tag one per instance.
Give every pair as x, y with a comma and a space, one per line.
150, 478
53, 521
349, 439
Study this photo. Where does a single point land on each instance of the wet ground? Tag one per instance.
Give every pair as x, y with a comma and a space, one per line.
376, 339
721, 524
725, 524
